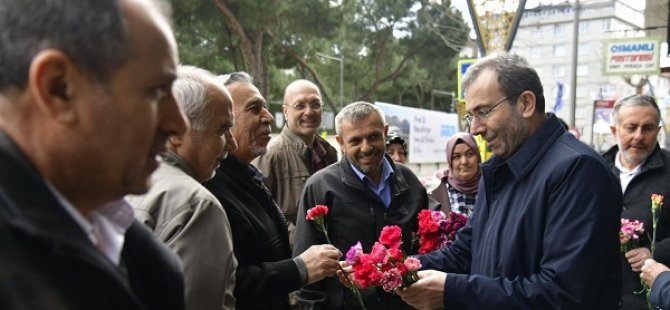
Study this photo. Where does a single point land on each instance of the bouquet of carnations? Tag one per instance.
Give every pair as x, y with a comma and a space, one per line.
438, 230
386, 265
630, 234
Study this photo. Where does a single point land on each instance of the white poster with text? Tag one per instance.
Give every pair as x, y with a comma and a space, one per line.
425, 131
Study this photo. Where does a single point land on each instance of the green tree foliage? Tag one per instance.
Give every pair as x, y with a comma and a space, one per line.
394, 51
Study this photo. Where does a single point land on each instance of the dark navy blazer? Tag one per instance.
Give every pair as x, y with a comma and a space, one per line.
544, 234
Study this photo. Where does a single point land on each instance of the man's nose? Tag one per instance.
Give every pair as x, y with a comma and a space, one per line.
476, 127
231, 142
170, 118
266, 117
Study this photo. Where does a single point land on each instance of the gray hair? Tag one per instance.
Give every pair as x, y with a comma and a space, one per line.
514, 76
231, 78
91, 32
355, 112
635, 101
191, 93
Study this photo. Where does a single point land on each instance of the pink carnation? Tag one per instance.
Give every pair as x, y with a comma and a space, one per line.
378, 253
412, 264
391, 280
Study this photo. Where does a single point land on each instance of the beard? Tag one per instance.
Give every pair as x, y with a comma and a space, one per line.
257, 150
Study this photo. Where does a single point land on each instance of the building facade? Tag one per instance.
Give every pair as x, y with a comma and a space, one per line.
545, 37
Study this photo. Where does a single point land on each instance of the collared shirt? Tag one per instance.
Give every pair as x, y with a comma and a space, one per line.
106, 227
461, 202
383, 189
625, 175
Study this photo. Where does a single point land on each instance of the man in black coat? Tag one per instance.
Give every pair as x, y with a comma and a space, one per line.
265, 272
643, 169
364, 191
85, 108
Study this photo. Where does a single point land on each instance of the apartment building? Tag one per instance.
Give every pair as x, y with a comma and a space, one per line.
545, 37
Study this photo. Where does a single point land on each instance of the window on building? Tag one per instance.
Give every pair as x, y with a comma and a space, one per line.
559, 29
605, 91
581, 91
558, 71
536, 51
582, 70
536, 32
583, 27
606, 25
559, 50
583, 49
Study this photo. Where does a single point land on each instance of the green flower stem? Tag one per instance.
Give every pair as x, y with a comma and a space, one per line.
321, 225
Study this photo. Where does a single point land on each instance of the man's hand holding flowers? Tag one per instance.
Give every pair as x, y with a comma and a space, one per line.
427, 293
636, 257
651, 269
321, 261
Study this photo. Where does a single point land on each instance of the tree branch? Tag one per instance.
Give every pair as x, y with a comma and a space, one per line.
301, 61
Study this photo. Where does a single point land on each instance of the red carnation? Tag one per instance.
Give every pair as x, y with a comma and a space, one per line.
316, 212
365, 272
426, 223
391, 236
395, 254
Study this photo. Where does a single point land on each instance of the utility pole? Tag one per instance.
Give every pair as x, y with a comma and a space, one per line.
573, 77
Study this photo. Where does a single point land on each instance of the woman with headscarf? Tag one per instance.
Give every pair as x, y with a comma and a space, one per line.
460, 182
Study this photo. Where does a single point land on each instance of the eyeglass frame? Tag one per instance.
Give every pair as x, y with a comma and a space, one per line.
312, 105
468, 118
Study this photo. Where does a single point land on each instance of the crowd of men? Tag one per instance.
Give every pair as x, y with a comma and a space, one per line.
128, 181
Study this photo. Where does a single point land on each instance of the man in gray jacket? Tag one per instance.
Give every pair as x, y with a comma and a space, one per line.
178, 209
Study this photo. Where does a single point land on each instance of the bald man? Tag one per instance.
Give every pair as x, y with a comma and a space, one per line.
298, 152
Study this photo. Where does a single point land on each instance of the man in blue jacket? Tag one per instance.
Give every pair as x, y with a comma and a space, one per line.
657, 277
544, 234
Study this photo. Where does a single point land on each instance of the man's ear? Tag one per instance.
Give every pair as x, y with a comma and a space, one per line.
175, 140
527, 103
339, 140
52, 80
613, 130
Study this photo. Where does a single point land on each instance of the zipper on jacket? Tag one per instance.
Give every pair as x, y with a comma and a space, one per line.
372, 221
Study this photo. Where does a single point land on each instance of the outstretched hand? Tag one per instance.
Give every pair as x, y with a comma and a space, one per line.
650, 270
344, 274
427, 293
321, 261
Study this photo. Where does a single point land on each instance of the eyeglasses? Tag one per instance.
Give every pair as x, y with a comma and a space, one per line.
301, 106
484, 114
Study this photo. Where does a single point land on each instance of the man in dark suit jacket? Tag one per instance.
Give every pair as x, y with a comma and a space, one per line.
85, 107
266, 274
544, 232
